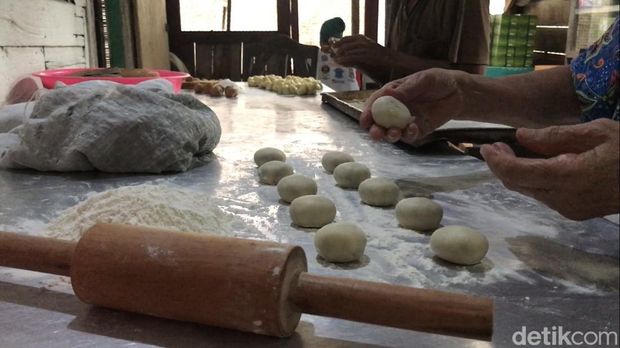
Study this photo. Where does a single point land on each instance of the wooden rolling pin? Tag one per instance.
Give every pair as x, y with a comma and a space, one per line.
248, 285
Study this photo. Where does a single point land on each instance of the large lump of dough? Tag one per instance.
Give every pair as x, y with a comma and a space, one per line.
112, 128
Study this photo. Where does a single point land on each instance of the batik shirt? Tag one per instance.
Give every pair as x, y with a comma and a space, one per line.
596, 74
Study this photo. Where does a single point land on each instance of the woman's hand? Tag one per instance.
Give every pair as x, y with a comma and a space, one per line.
433, 97
361, 52
580, 181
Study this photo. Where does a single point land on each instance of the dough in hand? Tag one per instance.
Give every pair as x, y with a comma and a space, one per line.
296, 185
389, 112
459, 244
340, 242
380, 192
312, 211
332, 159
419, 213
271, 172
351, 174
267, 154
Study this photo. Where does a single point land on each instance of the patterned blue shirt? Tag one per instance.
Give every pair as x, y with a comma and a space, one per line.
596, 74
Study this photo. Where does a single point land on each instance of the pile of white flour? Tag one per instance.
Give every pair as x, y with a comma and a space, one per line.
144, 205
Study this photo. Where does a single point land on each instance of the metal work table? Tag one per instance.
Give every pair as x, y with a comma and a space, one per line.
542, 269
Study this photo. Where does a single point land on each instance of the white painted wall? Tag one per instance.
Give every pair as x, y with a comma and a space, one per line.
41, 34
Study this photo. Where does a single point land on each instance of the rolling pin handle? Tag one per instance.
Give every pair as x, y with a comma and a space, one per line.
47, 255
396, 306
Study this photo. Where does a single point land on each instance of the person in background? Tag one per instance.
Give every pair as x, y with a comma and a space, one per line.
568, 114
329, 72
423, 34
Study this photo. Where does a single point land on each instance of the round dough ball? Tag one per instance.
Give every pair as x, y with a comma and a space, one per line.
389, 112
351, 174
380, 192
271, 172
294, 186
333, 159
459, 244
419, 213
340, 242
267, 154
312, 211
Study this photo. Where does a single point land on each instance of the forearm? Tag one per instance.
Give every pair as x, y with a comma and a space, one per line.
536, 99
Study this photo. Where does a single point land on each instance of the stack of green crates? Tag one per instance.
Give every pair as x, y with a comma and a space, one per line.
512, 40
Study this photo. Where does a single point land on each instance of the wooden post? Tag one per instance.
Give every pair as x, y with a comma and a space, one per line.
284, 17
371, 17
355, 17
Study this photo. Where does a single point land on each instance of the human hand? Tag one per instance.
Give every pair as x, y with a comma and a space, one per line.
580, 181
361, 52
433, 97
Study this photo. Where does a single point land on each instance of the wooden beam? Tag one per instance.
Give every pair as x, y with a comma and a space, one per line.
228, 14
216, 37
284, 17
371, 18
92, 57
355, 17
295, 20
173, 15
128, 30
151, 35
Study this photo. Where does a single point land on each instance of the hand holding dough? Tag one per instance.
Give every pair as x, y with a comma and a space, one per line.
389, 112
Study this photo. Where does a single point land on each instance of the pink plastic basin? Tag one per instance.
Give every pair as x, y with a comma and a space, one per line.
49, 77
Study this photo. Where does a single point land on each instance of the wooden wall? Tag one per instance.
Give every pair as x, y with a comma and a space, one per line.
151, 34
41, 34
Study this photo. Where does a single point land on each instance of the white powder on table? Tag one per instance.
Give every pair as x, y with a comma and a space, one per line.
144, 205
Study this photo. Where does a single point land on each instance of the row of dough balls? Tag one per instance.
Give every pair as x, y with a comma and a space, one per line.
289, 85
457, 244
334, 241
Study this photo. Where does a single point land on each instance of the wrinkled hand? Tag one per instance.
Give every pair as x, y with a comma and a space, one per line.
580, 182
360, 52
433, 97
